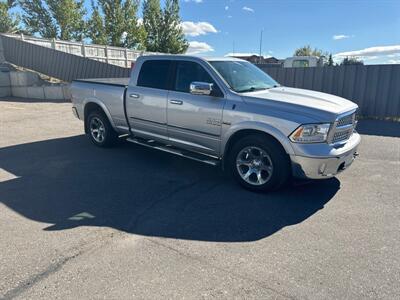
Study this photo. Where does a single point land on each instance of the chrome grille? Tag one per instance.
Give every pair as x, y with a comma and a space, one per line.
344, 128
346, 120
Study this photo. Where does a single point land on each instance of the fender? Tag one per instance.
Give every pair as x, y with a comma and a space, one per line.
260, 126
103, 107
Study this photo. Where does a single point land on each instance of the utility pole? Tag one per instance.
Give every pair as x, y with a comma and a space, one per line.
261, 36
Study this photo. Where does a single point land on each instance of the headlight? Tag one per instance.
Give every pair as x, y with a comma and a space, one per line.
310, 133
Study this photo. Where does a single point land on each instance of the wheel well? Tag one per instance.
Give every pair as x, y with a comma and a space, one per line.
90, 107
246, 132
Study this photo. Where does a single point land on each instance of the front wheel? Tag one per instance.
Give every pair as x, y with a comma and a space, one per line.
259, 163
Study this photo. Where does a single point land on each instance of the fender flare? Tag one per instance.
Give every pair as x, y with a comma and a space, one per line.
257, 126
102, 106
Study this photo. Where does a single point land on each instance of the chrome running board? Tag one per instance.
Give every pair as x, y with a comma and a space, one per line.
173, 150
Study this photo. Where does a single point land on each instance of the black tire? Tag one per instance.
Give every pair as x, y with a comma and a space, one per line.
109, 136
272, 155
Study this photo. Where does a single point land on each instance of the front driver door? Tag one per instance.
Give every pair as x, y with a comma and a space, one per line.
194, 121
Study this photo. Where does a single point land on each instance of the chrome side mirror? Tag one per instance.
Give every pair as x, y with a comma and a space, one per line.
200, 88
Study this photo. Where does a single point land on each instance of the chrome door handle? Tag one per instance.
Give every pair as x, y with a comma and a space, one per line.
177, 102
134, 95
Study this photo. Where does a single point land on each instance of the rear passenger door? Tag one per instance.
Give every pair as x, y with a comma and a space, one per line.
194, 121
146, 103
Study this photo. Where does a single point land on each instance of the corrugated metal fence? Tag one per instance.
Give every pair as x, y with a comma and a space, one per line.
375, 88
55, 63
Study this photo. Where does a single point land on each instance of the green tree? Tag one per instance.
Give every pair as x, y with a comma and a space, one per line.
63, 19
330, 60
351, 61
308, 51
115, 23
37, 19
8, 21
95, 26
69, 17
164, 33
152, 17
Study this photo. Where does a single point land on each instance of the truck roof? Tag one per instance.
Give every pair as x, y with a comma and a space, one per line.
206, 58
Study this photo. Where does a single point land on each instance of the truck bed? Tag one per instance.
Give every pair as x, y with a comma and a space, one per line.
108, 81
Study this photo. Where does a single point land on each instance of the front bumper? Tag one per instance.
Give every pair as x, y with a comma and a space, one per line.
331, 160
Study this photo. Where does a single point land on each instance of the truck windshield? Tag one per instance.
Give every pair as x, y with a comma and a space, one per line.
243, 76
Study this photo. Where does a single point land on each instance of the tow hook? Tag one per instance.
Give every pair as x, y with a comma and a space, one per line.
356, 154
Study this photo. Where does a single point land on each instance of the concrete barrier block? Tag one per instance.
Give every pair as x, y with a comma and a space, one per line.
66, 91
24, 78
5, 91
54, 92
35, 92
19, 91
5, 79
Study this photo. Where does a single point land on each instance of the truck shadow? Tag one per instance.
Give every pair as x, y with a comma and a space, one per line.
68, 183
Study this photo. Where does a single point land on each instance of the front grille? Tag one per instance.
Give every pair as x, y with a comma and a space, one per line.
342, 135
346, 120
344, 128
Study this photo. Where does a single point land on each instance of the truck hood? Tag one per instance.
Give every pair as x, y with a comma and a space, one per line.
315, 104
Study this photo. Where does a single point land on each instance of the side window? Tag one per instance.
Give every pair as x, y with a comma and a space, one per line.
187, 72
154, 74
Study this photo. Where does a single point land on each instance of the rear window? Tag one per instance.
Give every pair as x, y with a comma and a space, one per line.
154, 74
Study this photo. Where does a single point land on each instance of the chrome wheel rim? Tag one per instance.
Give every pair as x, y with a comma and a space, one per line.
254, 165
97, 129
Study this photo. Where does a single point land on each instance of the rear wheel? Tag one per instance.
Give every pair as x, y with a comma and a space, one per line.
100, 130
259, 163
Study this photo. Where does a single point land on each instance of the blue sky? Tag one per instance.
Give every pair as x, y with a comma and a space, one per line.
367, 29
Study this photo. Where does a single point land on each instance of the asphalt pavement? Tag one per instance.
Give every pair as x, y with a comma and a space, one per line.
81, 222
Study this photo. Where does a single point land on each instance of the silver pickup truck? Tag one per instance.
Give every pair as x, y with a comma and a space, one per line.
222, 111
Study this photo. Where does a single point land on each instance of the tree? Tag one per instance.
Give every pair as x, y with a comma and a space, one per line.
63, 19
37, 19
69, 17
8, 22
95, 26
152, 17
115, 23
330, 60
164, 33
351, 61
308, 51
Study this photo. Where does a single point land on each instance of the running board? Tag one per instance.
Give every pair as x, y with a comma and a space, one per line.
173, 150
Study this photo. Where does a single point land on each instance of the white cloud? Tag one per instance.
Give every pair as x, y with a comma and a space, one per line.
195, 1
393, 61
196, 47
372, 51
340, 37
246, 8
196, 29
226, 7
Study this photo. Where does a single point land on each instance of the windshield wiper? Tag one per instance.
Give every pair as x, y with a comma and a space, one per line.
252, 89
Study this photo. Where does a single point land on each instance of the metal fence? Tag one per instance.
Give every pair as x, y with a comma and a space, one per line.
57, 64
375, 88
118, 56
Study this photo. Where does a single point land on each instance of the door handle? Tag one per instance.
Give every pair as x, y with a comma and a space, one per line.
134, 95
177, 102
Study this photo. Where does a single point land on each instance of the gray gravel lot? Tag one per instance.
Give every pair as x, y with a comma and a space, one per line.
82, 222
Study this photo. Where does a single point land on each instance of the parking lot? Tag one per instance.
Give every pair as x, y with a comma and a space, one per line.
77, 221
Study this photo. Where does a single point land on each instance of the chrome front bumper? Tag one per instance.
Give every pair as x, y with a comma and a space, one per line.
331, 161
